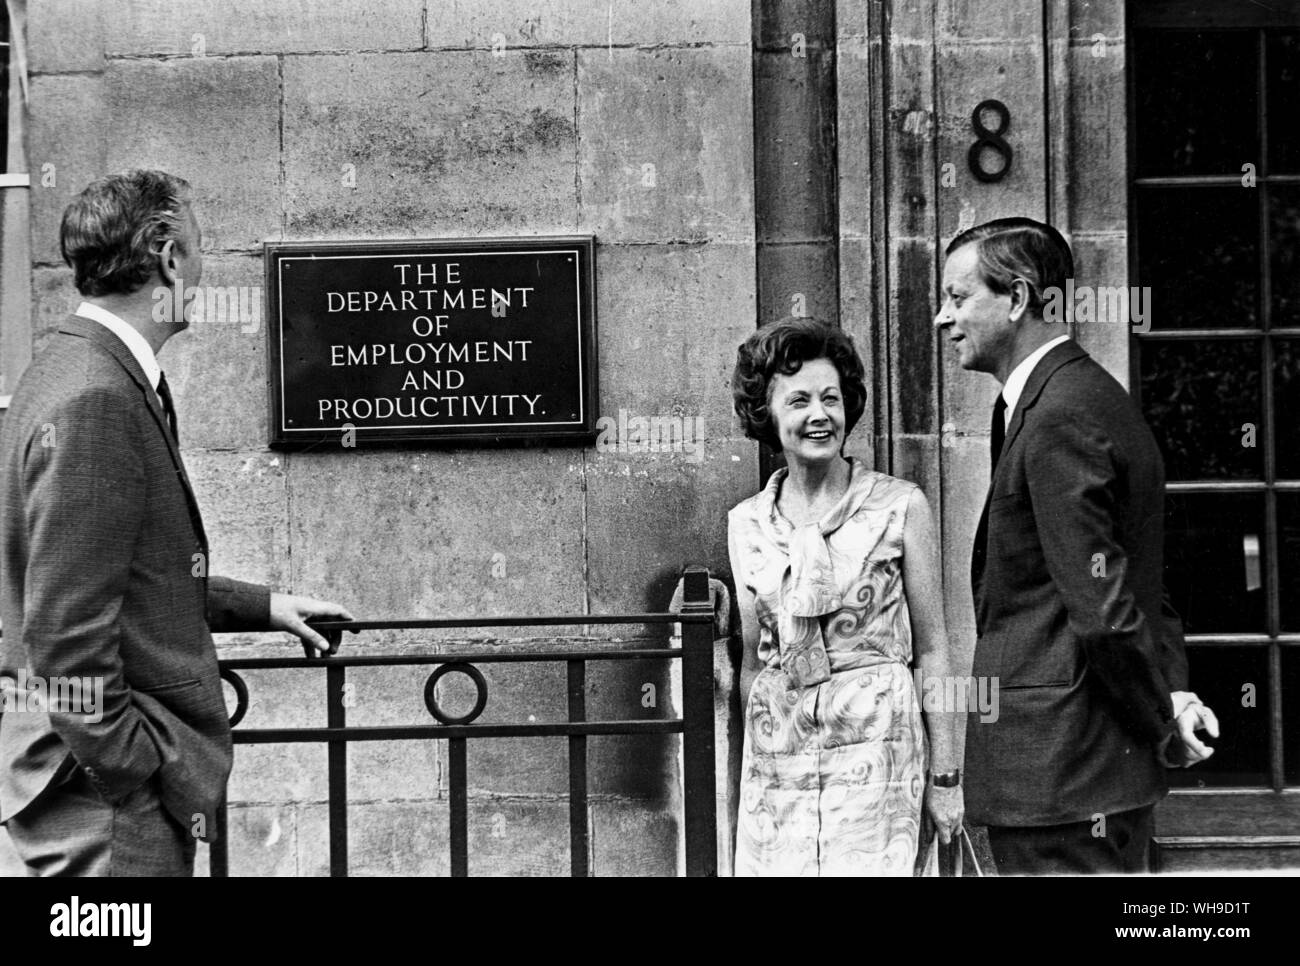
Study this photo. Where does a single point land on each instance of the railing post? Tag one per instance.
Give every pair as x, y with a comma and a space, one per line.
697, 732
336, 717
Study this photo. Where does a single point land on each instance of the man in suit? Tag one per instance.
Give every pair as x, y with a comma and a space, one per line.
105, 562
1067, 578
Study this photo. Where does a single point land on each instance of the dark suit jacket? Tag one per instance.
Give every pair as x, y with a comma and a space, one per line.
1069, 607
103, 572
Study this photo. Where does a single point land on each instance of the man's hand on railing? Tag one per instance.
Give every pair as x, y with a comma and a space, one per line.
290, 613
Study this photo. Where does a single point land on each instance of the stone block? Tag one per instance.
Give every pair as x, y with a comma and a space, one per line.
439, 534
972, 20
263, 842
798, 276
388, 839
217, 367
651, 515
584, 23
1102, 261
518, 838
1091, 17
476, 144
630, 839
671, 318
64, 149
213, 121
64, 35
795, 146
200, 28
968, 75
276, 774
666, 144
913, 285
1098, 139
388, 771
243, 497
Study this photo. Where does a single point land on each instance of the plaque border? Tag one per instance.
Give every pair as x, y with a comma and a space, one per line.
581, 434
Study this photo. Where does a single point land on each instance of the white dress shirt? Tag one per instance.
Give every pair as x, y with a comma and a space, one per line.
1015, 384
133, 340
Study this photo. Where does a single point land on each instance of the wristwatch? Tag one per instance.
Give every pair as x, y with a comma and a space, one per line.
947, 779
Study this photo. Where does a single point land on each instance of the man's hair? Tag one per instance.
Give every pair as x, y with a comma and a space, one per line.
1012, 248
784, 347
113, 231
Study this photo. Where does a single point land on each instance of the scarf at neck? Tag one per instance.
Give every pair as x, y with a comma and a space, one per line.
808, 589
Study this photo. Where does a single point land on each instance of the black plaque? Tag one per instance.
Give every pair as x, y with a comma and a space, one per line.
461, 341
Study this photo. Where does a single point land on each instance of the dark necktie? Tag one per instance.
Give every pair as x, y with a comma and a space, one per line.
169, 407
998, 433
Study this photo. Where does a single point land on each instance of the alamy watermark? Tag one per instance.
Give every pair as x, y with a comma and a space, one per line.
1127, 305
65, 695
234, 305
651, 434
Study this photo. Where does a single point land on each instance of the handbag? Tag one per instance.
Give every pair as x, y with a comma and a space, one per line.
950, 864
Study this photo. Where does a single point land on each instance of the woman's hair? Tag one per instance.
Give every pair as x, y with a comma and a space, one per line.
784, 347
113, 230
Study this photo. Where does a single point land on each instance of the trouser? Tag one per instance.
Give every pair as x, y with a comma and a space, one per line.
70, 830
1118, 843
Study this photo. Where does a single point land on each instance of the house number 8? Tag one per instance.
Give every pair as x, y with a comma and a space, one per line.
989, 140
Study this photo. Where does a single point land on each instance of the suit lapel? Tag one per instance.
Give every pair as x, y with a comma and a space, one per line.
110, 343
1067, 351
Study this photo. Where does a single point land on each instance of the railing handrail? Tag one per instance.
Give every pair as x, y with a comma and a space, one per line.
457, 657
691, 616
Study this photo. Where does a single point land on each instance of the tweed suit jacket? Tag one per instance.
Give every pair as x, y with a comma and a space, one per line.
1071, 616
103, 573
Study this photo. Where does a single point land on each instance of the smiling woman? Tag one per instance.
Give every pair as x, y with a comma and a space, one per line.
825, 560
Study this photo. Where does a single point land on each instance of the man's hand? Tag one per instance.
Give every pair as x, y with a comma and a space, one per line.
947, 806
1184, 749
290, 613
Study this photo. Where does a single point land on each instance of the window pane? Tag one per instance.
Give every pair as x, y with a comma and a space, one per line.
1286, 400
1288, 562
1196, 102
1197, 396
1283, 64
1214, 564
1199, 253
1291, 714
1284, 252
1233, 681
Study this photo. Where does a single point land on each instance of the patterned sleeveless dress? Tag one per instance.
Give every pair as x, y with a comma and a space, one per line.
834, 760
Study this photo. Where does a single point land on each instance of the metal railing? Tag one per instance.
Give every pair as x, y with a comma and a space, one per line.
695, 725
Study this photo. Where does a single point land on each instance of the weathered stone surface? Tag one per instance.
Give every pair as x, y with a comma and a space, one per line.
1102, 262
464, 533
263, 841
264, 774
1091, 17
650, 515
217, 367
395, 838
213, 121
198, 27
629, 839
63, 148
243, 500
65, 35
671, 318
972, 20
481, 145
665, 150
1098, 186
968, 75
500, 23
798, 277
518, 838
54, 298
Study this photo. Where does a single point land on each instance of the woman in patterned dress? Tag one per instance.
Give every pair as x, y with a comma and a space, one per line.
837, 576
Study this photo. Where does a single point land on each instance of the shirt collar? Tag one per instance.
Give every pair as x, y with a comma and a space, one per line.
1015, 384
133, 340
